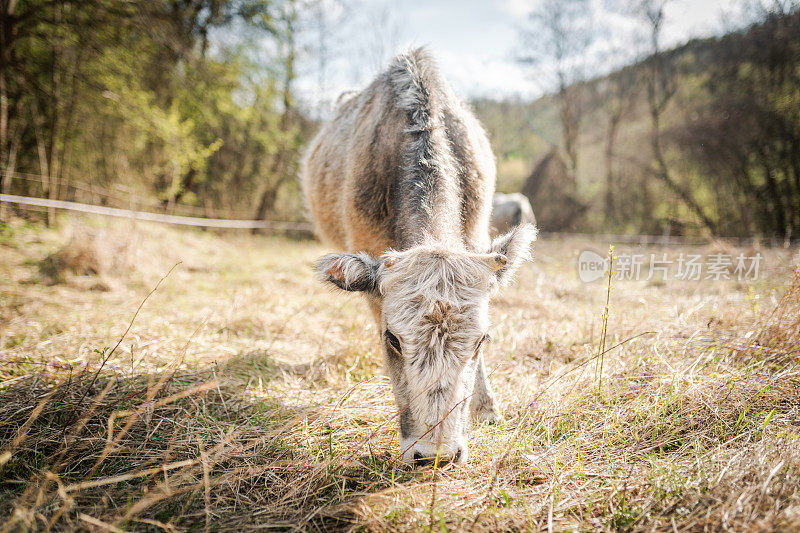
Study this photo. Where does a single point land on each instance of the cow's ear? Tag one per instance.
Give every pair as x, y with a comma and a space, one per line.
350, 272
516, 247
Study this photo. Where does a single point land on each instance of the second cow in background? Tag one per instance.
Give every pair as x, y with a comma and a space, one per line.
510, 210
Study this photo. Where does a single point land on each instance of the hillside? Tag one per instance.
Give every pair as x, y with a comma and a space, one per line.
749, 77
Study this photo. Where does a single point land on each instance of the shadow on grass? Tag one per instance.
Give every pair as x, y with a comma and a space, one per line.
180, 451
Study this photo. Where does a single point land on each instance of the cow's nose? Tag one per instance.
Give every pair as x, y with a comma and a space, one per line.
458, 456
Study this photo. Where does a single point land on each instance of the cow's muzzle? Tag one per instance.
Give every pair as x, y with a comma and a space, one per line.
424, 453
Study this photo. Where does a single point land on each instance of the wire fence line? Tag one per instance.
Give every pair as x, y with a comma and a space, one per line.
119, 195
157, 217
308, 230
672, 240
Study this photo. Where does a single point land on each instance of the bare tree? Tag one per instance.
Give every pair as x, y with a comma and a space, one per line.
660, 80
746, 139
620, 88
322, 52
617, 92
10, 130
284, 162
379, 31
556, 41
327, 35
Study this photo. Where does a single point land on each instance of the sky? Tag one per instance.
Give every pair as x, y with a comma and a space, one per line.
477, 42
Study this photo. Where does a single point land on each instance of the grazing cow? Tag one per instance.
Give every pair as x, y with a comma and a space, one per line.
402, 180
509, 210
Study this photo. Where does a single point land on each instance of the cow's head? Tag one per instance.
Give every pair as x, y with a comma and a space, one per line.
434, 320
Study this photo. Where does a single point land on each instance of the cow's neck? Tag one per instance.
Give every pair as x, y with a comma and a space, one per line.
431, 215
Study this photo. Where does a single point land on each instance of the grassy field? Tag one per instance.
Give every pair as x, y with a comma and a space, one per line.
243, 395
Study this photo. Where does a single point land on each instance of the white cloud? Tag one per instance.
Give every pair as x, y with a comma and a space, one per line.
482, 75
518, 8
685, 19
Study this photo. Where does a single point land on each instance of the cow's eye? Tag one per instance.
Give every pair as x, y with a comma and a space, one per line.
394, 342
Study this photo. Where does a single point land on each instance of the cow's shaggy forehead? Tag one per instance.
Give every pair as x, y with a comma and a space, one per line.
437, 301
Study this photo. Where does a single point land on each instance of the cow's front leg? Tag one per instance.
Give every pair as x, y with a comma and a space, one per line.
484, 405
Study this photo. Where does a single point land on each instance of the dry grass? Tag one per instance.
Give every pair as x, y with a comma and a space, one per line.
244, 396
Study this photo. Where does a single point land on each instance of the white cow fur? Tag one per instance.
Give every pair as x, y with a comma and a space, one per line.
402, 177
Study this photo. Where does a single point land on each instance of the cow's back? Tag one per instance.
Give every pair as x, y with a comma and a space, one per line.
358, 171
